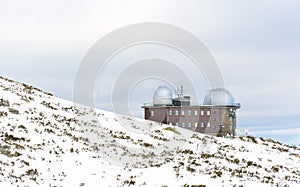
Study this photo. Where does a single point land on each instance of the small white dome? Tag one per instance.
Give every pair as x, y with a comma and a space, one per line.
162, 96
218, 96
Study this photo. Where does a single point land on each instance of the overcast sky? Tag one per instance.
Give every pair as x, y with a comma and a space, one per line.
255, 42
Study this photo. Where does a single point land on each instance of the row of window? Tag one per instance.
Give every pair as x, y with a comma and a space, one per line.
191, 124
196, 125
189, 113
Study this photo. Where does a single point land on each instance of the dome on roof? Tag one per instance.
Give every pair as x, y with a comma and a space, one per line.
162, 96
218, 96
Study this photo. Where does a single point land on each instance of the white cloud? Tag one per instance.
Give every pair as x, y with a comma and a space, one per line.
255, 42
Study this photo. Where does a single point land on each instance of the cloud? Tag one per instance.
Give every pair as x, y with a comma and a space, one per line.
287, 135
256, 44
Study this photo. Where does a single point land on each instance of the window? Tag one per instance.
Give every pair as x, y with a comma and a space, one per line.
230, 118
202, 112
170, 112
208, 112
182, 112
196, 124
182, 124
176, 124
196, 112
189, 112
202, 124
170, 123
152, 113
208, 125
176, 112
190, 125
230, 127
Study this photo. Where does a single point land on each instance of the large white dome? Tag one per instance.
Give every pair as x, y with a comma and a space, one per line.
162, 96
218, 96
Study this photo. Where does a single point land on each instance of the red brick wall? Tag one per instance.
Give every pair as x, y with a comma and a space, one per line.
218, 118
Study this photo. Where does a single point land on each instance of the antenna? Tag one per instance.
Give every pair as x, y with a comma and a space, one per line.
179, 92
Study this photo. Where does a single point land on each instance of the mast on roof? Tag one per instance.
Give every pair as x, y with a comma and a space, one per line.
179, 92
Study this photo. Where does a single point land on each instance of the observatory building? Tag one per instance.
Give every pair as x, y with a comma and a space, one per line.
216, 116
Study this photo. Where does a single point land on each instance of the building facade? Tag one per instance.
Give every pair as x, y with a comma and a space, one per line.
216, 116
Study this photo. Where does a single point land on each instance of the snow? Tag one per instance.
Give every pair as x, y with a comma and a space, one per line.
53, 142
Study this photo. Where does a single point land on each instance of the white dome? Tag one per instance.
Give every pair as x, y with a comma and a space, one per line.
162, 96
218, 96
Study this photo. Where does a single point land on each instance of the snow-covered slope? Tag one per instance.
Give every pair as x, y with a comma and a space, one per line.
49, 141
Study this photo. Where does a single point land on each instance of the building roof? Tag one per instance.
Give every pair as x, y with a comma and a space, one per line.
218, 96
162, 96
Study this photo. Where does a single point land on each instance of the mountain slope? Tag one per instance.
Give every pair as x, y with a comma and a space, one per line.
49, 141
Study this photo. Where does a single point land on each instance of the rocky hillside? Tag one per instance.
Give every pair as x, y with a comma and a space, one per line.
47, 141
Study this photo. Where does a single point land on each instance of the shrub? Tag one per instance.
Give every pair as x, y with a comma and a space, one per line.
206, 156
32, 172
22, 127
252, 139
275, 169
48, 130
236, 161
13, 138
249, 163
129, 182
172, 129
190, 169
3, 114
4, 102
187, 151
12, 110
48, 105
5, 151
218, 173
147, 145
